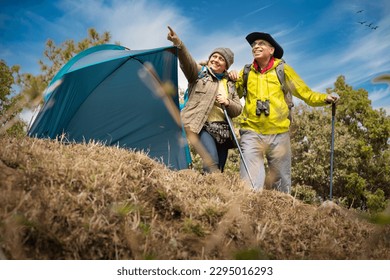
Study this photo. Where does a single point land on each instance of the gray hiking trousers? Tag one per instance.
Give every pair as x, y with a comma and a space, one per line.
275, 150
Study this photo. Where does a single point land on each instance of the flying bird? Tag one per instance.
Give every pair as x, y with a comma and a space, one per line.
370, 25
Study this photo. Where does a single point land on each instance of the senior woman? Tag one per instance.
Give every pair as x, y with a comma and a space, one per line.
209, 92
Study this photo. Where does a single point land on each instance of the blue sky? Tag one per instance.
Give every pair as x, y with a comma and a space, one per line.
321, 39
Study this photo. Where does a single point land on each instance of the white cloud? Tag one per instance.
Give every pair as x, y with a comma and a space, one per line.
349, 49
380, 94
135, 24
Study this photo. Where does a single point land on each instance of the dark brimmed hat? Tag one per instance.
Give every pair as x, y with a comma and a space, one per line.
227, 54
265, 36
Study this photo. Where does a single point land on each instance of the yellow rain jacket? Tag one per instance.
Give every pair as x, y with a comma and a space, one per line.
266, 86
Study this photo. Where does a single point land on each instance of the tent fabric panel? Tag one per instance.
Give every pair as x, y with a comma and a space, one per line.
86, 53
134, 119
101, 53
65, 100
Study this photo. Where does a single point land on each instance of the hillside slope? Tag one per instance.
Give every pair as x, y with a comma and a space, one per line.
94, 202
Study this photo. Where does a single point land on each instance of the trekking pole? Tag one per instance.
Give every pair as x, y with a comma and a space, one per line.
332, 150
238, 145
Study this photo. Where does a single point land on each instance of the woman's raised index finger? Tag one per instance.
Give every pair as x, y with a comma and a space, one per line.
171, 30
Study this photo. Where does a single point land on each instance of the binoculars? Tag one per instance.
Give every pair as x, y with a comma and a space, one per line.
262, 106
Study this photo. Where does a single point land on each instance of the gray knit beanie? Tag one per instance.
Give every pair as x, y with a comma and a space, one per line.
227, 54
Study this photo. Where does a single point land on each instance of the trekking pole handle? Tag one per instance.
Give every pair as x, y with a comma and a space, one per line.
333, 109
334, 94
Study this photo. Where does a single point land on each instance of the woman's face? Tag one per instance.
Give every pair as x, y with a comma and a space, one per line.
217, 62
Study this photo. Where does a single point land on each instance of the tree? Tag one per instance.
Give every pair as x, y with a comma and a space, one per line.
361, 155
9, 108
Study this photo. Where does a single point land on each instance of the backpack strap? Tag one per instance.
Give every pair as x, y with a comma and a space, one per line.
282, 80
285, 88
247, 68
203, 72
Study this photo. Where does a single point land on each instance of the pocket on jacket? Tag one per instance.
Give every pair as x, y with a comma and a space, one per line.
202, 87
200, 92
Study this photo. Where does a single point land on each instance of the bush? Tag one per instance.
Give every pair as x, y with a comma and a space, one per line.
305, 193
376, 202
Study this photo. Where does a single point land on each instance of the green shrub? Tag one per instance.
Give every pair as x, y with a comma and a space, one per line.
305, 193
376, 202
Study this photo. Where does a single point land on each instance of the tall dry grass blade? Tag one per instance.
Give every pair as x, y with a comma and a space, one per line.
164, 91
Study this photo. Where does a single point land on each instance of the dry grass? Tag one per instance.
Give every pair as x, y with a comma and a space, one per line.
94, 202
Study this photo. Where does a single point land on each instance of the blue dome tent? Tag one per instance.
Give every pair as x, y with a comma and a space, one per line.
99, 95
